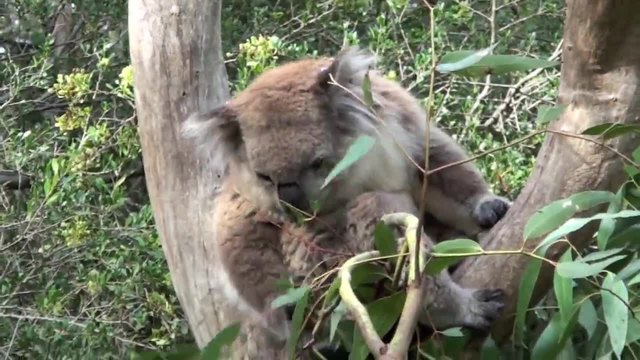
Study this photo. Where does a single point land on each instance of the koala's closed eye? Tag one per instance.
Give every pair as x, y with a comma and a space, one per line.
317, 164
264, 177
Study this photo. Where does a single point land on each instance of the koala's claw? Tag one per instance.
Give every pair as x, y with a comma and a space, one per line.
490, 210
486, 310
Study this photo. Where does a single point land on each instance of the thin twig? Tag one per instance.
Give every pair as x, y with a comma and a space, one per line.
427, 135
529, 136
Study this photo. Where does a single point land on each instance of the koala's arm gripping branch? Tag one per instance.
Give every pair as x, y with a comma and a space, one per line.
399, 345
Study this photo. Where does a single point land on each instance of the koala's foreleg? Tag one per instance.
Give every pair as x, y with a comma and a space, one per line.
251, 256
447, 304
459, 196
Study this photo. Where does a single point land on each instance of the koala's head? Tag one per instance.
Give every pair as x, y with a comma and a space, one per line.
281, 136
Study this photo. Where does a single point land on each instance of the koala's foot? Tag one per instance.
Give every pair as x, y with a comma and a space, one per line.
450, 305
484, 307
489, 210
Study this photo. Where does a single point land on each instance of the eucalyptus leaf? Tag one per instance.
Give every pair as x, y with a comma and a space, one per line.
366, 90
359, 148
224, 338
547, 114
453, 332
463, 63
525, 291
292, 296
297, 322
557, 212
384, 240
607, 226
577, 223
336, 316
615, 298
611, 130
491, 64
563, 289
577, 269
588, 317
449, 247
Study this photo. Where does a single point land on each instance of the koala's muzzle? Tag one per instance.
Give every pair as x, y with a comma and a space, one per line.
292, 194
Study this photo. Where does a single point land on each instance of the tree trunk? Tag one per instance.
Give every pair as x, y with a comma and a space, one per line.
178, 67
600, 84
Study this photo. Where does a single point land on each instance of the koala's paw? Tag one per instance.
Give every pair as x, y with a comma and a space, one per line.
485, 307
489, 210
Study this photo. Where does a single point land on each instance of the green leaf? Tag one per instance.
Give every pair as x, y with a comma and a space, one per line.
490, 350
366, 273
292, 296
468, 58
608, 225
559, 211
453, 332
385, 241
634, 280
296, 324
615, 311
599, 255
525, 291
449, 247
631, 171
633, 331
366, 90
577, 223
563, 289
577, 269
55, 167
612, 130
492, 64
548, 344
630, 270
224, 338
636, 154
626, 237
547, 114
360, 147
588, 317
336, 316
384, 313
457, 246
332, 293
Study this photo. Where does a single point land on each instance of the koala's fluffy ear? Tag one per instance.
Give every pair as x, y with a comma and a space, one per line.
347, 69
216, 133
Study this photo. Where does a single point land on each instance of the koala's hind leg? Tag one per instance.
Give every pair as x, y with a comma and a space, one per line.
447, 304
459, 196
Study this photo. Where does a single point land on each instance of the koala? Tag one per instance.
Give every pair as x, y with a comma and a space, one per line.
277, 141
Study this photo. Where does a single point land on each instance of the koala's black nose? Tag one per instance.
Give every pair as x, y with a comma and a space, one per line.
292, 194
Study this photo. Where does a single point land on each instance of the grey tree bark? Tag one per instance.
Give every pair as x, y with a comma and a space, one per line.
178, 67
600, 81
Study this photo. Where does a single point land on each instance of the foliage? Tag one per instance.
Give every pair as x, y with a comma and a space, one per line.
83, 273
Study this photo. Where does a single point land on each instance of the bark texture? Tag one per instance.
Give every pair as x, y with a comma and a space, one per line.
178, 67
600, 84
